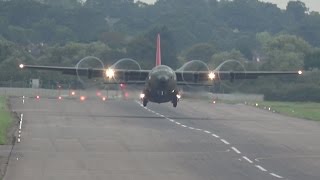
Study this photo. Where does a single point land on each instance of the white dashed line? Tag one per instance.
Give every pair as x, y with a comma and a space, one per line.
224, 141
276, 175
192, 128
20, 125
261, 168
236, 150
247, 159
216, 136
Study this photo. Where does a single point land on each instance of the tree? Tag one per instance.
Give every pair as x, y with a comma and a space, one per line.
312, 60
297, 9
220, 57
285, 52
201, 51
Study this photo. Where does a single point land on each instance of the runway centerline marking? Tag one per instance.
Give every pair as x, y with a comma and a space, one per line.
216, 136
236, 150
261, 168
276, 175
224, 141
247, 159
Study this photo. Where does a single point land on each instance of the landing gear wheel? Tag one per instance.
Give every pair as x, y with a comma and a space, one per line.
144, 102
175, 102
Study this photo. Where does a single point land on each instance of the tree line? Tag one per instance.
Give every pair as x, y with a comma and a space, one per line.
258, 34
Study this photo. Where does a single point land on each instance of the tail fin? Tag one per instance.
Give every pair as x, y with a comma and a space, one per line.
158, 54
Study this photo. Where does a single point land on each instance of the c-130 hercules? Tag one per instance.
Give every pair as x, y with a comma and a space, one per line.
161, 82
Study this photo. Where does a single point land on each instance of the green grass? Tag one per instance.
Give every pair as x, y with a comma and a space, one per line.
5, 120
303, 110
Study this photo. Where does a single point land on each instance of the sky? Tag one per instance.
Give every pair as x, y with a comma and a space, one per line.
313, 5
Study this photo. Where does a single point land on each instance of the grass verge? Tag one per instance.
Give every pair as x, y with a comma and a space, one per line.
305, 110
5, 120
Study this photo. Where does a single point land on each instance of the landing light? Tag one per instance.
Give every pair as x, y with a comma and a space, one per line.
109, 73
59, 97
21, 66
211, 76
142, 95
300, 72
38, 97
73, 93
104, 99
82, 98
178, 96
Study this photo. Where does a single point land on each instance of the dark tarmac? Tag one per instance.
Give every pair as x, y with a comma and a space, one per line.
121, 140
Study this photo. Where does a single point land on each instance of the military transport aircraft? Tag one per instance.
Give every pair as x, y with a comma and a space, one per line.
161, 82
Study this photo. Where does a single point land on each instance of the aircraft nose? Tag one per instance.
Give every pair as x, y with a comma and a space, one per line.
163, 79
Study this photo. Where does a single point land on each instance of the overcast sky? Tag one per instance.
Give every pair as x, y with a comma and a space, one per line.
313, 5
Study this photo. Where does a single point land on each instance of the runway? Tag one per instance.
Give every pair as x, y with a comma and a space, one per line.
121, 140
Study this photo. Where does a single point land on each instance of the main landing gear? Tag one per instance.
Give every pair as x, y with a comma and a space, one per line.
175, 101
144, 102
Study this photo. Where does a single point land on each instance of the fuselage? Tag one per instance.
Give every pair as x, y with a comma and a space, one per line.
161, 85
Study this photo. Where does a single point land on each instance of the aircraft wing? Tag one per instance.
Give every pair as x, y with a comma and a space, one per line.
206, 77
113, 76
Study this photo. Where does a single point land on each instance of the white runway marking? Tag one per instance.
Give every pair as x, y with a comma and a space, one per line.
261, 168
276, 175
171, 120
224, 141
214, 135
236, 150
247, 159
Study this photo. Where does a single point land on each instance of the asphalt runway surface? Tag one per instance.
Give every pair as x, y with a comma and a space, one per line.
121, 140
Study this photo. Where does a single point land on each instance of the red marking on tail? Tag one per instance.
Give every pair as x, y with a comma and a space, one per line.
158, 55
